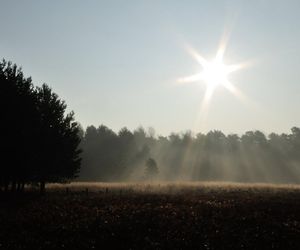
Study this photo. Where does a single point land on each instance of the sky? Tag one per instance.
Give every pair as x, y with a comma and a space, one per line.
118, 63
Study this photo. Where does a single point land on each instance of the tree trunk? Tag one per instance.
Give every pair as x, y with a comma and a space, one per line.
13, 186
22, 186
18, 186
6, 186
42, 187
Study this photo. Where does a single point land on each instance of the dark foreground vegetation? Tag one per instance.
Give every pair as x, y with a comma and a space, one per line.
152, 217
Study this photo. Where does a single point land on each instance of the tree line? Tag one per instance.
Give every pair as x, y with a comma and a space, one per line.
43, 143
251, 157
39, 141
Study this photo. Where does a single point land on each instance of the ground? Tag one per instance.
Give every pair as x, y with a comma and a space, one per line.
152, 216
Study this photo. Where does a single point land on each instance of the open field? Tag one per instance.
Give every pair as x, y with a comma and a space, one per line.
153, 216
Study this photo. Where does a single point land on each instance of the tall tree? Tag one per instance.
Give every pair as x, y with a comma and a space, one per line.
19, 122
59, 138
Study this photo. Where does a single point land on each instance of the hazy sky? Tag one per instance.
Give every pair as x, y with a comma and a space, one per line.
117, 62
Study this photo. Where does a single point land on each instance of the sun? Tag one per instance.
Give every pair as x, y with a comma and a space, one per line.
213, 73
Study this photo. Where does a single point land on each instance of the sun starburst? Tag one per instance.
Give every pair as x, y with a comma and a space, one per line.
214, 73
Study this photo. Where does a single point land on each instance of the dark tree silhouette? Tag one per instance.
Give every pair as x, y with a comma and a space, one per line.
100, 154
59, 158
39, 142
151, 169
19, 122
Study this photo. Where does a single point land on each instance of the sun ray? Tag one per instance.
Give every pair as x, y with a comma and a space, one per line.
208, 94
220, 52
223, 45
228, 85
200, 59
240, 95
233, 68
192, 78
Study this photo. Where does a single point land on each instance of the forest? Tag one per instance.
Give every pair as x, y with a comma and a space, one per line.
214, 156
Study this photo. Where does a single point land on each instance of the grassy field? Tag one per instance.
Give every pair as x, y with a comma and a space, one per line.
152, 216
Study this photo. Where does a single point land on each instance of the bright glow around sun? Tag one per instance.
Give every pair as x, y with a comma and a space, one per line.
214, 73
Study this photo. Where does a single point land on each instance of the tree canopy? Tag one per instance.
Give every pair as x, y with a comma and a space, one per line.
250, 157
39, 140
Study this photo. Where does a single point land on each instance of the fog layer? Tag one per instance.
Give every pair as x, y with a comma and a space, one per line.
252, 157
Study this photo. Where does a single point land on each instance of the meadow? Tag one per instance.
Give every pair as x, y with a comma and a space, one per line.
152, 216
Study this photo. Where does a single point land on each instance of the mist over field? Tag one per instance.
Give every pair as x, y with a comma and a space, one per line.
251, 157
